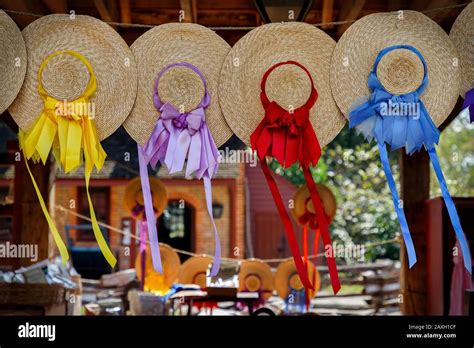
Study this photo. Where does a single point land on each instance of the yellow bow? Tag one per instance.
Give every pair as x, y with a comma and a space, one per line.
68, 130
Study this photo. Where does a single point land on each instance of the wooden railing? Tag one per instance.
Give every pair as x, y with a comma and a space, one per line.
379, 281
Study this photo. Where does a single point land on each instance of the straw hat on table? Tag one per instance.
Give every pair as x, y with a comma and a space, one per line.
134, 196
12, 60
286, 278
155, 281
256, 276
180, 86
193, 270
255, 53
400, 71
462, 35
66, 77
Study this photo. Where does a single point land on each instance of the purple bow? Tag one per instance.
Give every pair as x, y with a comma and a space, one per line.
178, 136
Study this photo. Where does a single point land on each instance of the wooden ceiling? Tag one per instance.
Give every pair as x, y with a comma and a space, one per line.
223, 13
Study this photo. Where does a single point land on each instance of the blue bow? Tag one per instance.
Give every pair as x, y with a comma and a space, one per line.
403, 121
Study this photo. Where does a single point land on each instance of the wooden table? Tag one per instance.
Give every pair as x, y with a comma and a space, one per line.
191, 296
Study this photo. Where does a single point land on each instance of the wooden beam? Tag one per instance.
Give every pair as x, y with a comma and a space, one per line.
125, 12
195, 10
350, 11
327, 13
107, 12
113, 10
23, 6
218, 18
395, 5
415, 190
439, 16
103, 10
189, 7
154, 18
56, 6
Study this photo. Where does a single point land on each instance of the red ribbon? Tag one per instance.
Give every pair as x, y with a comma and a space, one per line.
290, 138
309, 218
305, 257
316, 247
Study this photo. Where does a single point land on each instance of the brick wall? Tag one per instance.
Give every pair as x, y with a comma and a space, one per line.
192, 192
64, 195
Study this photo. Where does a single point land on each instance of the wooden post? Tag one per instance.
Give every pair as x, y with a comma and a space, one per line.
415, 189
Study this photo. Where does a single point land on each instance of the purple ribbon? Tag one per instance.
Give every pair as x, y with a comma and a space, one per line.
142, 235
178, 136
469, 103
149, 211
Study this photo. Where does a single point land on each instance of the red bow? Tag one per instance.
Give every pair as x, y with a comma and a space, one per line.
290, 138
287, 136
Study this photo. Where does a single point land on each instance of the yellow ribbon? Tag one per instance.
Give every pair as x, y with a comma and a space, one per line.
67, 129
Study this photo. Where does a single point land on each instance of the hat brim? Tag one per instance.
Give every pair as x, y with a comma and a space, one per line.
193, 267
255, 53
358, 47
286, 269
158, 191
111, 59
262, 270
176, 43
462, 35
13, 61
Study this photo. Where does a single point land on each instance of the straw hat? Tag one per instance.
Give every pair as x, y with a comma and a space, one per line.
65, 77
256, 276
133, 196
175, 43
255, 53
303, 203
462, 35
286, 277
155, 281
12, 60
193, 270
399, 71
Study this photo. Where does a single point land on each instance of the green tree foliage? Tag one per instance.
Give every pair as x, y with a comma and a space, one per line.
351, 168
456, 156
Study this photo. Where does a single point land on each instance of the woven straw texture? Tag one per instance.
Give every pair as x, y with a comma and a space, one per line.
400, 71
256, 275
133, 195
12, 61
286, 276
175, 43
255, 53
66, 77
462, 35
193, 270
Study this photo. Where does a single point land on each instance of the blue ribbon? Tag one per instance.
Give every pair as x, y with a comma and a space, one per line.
403, 121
